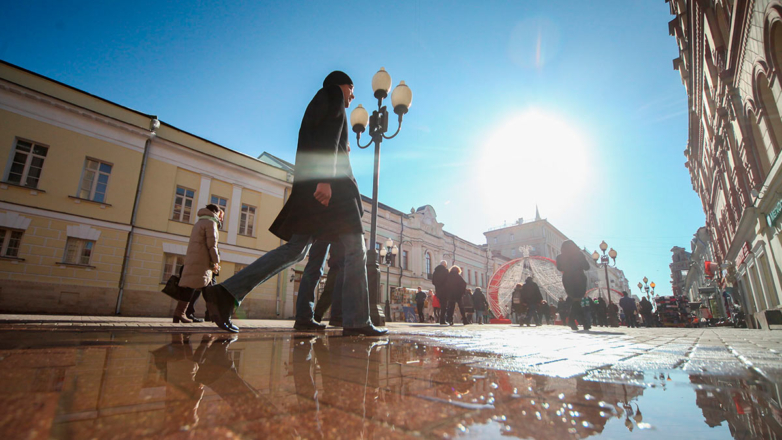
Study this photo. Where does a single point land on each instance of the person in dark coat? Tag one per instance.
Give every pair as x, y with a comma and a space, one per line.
480, 304
517, 304
563, 307
420, 299
324, 204
572, 263
454, 289
439, 278
468, 306
628, 306
531, 297
645, 307
602, 312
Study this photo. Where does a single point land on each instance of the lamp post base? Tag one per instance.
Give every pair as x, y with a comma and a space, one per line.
376, 312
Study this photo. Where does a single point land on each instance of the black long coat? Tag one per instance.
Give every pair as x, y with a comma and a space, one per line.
454, 286
530, 293
439, 276
572, 267
322, 157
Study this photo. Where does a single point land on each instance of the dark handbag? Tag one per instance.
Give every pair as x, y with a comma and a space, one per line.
173, 290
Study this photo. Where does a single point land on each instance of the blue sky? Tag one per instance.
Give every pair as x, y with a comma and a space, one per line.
570, 105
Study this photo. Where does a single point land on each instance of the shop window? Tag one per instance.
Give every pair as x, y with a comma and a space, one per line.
183, 204
26, 163
10, 240
94, 180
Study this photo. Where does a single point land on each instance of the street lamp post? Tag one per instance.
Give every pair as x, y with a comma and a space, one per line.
401, 99
612, 320
388, 254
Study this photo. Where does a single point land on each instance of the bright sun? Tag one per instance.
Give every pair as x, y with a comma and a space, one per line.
534, 158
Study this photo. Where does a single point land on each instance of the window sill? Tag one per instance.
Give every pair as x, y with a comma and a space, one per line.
248, 236
180, 221
5, 185
79, 200
83, 266
14, 259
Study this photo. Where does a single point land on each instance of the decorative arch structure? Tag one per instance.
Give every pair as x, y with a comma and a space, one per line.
543, 270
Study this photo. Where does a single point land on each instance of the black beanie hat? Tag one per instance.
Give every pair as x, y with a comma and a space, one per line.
337, 78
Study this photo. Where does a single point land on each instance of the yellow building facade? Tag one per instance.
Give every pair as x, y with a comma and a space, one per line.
97, 202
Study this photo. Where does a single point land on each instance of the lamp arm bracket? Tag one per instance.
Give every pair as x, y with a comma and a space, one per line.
358, 141
397, 130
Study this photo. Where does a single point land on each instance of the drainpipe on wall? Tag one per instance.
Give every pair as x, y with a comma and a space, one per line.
154, 124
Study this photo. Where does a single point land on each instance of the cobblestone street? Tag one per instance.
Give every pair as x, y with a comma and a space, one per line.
116, 377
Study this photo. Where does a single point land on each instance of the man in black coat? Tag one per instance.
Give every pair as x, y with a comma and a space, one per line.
530, 295
439, 277
324, 204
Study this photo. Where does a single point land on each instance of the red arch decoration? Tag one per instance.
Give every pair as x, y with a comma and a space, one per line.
492, 293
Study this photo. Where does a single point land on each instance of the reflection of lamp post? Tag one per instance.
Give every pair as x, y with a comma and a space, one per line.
401, 99
604, 261
388, 254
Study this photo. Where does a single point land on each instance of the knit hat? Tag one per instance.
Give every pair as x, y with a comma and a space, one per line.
337, 78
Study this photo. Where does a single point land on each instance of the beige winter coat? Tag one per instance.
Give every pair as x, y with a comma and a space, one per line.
201, 251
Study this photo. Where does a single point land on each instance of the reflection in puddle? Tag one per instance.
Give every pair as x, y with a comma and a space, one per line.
125, 385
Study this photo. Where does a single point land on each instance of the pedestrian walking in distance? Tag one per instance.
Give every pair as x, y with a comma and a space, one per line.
324, 204
628, 306
480, 304
420, 299
468, 306
454, 289
572, 263
202, 258
439, 278
531, 297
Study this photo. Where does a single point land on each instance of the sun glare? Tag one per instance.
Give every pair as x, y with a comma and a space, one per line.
533, 159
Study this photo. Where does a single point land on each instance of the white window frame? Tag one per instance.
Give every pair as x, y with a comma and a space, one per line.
185, 198
171, 265
224, 206
94, 185
27, 163
247, 219
6, 236
428, 264
79, 245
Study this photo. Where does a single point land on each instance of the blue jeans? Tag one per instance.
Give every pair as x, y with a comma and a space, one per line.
267, 266
305, 302
355, 307
479, 316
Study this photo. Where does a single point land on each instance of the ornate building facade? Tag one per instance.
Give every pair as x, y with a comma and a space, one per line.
731, 66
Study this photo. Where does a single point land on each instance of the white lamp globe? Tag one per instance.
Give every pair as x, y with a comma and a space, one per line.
381, 83
402, 98
359, 119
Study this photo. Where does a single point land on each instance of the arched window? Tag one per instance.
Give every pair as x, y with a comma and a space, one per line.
770, 112
428, 259
760, 151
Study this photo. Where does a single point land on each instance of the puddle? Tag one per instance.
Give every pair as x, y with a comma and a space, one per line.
280, 385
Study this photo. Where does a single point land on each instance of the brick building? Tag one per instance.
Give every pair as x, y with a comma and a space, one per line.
730, 64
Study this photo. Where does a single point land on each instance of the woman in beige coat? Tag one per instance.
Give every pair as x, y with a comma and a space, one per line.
202, 258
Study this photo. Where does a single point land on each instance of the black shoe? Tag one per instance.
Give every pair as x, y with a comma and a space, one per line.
194, 319
318, 318
221, 306
369, 330
309, 326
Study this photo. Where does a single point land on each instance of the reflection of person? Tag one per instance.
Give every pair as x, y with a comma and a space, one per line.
202, 258
179, 365
325, 203
572, 263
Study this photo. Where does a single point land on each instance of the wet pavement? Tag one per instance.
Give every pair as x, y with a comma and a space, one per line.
421, 381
